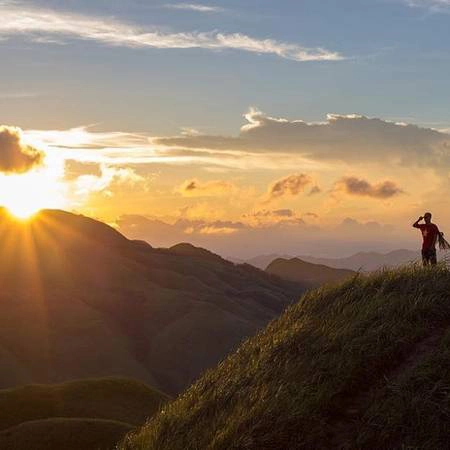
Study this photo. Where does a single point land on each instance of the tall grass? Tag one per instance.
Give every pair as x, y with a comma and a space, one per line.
331, 371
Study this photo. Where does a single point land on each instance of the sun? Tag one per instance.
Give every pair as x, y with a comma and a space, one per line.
24, 195
23, 211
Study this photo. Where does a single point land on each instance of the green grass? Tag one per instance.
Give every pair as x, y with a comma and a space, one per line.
365, 364
118, 399
67, 434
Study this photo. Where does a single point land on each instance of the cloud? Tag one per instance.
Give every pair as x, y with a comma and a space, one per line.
214, 188
109, 177
244, 239
74, 169
34, 23
195, 7
269, 218
214, 228
289, 186
314, 190
275, 213
19, 95
84, 138
433, 5
372, 228
344, 138
15, 155
360, 187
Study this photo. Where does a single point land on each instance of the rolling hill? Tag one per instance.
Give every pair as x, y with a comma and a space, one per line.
361, 365
80, 300
88, 414
309, 274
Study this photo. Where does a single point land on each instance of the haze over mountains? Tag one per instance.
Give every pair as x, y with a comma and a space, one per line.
365, 261
80, 300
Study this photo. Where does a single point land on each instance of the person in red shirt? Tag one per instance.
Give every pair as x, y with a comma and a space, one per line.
430, 234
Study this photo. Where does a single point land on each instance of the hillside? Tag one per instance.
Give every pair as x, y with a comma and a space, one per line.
365, 364
367, 261
80, 300
62, 433
87, 414
309, 274
116, 399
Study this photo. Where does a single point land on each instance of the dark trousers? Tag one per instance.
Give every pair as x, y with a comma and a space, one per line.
429, 256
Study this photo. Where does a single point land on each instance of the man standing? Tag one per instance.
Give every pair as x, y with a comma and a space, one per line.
430, 234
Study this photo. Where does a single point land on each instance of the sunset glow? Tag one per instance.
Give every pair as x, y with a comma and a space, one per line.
247, 128
24, 195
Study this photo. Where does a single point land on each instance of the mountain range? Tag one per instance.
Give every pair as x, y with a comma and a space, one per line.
362, 261
79, 300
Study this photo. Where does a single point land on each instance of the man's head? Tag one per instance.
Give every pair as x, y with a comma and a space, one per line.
427, 217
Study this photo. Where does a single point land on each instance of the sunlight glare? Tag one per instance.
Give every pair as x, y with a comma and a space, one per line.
24, 195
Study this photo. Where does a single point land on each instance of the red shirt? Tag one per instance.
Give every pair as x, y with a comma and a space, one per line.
430, 234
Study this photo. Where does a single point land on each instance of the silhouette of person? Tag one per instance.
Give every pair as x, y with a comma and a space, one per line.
430, 234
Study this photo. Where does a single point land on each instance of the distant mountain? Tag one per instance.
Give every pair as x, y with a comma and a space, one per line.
80, 300
307, 273
364, 261
367, 261
82, 414
262, 261
363, 365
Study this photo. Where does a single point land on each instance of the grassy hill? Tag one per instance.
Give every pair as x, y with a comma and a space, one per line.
80, 300
87, 414
118, 399
64, 433
362, 365
309, 274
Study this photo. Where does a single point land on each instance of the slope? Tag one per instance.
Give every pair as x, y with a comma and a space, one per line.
64, 433
118, 399
88, 414
80, 300
365, 364
309, 274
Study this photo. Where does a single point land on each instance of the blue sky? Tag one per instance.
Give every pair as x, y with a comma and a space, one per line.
396, 66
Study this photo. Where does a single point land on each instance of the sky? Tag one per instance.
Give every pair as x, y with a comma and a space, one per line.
248, 127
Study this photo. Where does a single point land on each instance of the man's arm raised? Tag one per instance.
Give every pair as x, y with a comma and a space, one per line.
416, 223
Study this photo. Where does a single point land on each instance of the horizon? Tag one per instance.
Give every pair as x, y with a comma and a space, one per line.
247, 129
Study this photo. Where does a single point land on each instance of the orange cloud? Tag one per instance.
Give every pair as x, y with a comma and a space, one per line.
361, 187
75, 169
291, 185
215, 188
15, 156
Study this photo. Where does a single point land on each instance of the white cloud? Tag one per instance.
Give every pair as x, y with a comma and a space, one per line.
18, 95
19, 20
433, 5
84, 185
343, 138
195, 7
119, 148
